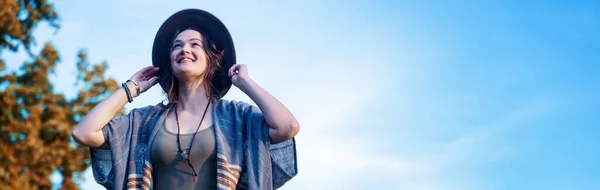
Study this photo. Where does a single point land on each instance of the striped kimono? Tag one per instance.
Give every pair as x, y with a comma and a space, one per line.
245, 157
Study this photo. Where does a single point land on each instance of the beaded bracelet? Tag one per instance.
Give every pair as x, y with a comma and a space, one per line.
129, 98
137, 87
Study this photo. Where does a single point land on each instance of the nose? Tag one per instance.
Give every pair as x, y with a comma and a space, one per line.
186, 49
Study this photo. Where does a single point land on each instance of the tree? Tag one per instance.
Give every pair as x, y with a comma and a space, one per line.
35, 121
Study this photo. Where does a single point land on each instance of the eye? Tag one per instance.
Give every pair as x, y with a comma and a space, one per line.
195, 44
176, 45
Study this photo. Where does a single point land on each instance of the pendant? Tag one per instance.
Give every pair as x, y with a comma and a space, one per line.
184, 155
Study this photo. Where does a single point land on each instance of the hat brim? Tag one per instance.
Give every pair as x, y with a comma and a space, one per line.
211, 26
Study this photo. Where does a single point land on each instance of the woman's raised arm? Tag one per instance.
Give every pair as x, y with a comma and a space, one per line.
89, 131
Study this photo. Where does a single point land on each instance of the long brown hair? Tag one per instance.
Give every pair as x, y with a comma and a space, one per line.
214, 56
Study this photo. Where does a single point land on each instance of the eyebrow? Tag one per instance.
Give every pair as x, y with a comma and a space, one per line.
189, 40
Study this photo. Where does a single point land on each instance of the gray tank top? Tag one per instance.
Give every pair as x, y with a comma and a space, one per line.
172, 172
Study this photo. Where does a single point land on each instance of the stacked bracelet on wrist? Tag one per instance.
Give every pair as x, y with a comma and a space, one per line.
129, 97
137, 87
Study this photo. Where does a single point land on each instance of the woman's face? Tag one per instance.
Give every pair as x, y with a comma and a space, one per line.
188, 58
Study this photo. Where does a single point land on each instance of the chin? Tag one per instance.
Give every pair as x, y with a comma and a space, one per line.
188, 73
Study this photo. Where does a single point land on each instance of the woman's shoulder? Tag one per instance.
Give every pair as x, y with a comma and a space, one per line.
232, 103
233, 106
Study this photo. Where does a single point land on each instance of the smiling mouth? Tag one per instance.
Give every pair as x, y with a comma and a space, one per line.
185, 60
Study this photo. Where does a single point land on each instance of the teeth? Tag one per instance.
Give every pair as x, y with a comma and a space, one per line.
186, 59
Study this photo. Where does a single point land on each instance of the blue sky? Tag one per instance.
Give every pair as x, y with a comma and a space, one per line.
393, 95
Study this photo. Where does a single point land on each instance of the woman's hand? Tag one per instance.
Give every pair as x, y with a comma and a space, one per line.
146, 78
89, 131
283, 125
239, 76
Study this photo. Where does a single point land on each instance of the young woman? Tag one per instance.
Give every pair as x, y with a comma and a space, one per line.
198, 140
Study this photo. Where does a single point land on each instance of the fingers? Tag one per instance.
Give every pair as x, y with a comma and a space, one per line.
146, 69
152, 72
237, 68
146, 73
242, 69
143, 72
151, 82
231, 71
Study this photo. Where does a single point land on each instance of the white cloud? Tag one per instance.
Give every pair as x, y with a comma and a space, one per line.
352, 162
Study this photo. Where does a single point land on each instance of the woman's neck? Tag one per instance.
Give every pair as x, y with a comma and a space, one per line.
192, 98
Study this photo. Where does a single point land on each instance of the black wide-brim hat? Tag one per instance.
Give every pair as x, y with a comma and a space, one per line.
210, 26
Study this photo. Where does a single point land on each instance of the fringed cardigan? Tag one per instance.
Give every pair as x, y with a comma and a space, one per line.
245, 157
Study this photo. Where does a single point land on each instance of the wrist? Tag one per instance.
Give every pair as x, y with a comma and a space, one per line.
133, 88
128, 93
246, 85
